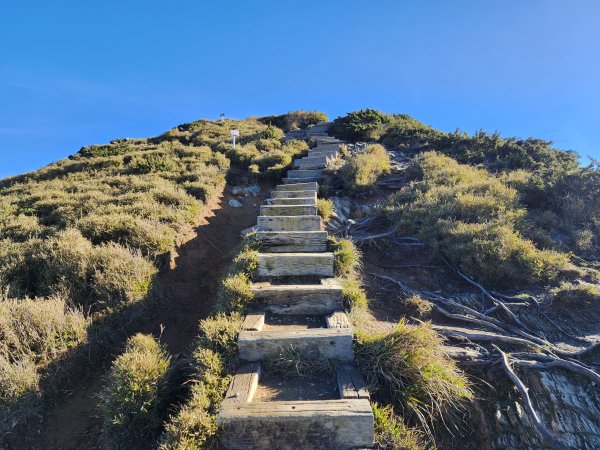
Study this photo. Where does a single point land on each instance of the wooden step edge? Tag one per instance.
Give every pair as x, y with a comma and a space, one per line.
291, 425
351, 383
254, 322
243, 384
320, 343
296, 201
294, 194
298, 180
301, 186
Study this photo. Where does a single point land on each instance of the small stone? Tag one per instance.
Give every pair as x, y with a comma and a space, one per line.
235, 203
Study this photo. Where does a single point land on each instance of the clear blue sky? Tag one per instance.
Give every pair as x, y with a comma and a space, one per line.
73, 73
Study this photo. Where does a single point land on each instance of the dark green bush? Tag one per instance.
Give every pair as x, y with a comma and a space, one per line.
295, 120
364, 125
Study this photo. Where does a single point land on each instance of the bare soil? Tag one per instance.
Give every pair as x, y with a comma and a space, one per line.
274, 322
183, 294
273, 389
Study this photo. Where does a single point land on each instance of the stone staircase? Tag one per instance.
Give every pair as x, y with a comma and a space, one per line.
300, 308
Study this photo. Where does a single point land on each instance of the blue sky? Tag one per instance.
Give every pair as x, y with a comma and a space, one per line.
73, 73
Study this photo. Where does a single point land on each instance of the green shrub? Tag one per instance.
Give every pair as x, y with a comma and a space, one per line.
471, 218
133, 402
324, 208
346, 256
361, 171
243, 155
219, 334
409, 369
272, 132
295, 119
234, 293
150, 163
354, 295
391, 433
152, 239
580, 295
19, 392
363, 125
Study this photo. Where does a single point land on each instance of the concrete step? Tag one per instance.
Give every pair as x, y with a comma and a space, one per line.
300, 180
316, 343
297, 425
310, 166
300, 299
288, 210
289, 223
306, 201
323, 153
292, 241
315, 173
300, 186
273, 265
293, 194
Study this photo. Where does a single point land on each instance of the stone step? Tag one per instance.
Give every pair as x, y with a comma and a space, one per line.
293, 194
300, 299
297, 425
306, 201
288, 210
310, 166
331, 154
310, 161
271, 265
289, 223
316, 343
300, 186
292, 241
300, 180
314, 173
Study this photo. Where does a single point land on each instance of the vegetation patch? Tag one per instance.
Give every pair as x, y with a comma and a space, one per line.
409, 369
361, 171
391, 433
133, 400
473, 219
579, 295
324, 208
295, 120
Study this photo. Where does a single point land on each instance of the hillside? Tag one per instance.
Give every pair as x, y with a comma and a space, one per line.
468, 264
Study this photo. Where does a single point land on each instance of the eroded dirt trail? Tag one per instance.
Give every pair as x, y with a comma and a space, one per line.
182, 295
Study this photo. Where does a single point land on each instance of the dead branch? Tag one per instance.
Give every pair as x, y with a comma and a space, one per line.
405, 266
485, 337
372, 237
543, 362
524, 391
508, 305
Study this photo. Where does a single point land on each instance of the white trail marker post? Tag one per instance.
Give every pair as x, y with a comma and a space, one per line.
234, 133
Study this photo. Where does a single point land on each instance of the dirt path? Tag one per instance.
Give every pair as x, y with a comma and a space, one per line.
184, 294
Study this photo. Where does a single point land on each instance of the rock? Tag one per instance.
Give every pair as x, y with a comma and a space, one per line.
246, 190
235, 203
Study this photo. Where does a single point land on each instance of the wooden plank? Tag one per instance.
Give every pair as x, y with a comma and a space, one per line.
295, 264
243, 384
292, 241
299, 180
318, 299
289, 223
306, 186
338, 319
288, 210
351, 383
306, 201
297, 425
310, 166
320, 343
293, 194
305, 173
254, 322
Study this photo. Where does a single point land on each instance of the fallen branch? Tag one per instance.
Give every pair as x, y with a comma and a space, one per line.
372, 237
547, 362
524, 391
485, 337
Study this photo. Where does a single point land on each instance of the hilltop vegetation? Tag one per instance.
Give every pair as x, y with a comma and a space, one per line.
82, 239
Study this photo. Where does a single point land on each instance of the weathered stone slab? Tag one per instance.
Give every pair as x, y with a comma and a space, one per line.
338, 319
289, 223
243, 384
293, 194
271, 265
306, 201
313, 173
318, 299
292, 241
299, 180
301, 186
288, 210
351, 383
320, 343
254, 322
297, 425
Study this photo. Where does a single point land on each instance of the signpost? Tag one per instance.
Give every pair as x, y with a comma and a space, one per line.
234, 133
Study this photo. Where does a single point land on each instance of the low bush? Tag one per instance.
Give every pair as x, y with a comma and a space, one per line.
409, 369
580, 295
291, 364
391, 433
472, 219
324, 208
361, 171
295, 120
133, 402
354, 295
346, 256
364, 125
234, 293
